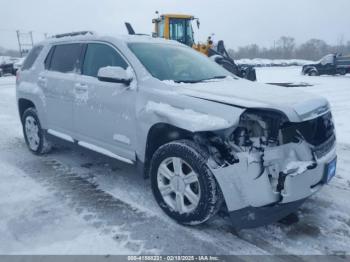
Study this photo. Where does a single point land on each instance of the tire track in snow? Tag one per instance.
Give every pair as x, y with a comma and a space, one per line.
212, 232
141, 232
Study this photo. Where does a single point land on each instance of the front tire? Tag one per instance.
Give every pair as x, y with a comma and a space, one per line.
313, 73
34, 135
183, 184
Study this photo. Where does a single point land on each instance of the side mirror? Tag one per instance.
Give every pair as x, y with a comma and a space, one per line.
114, 74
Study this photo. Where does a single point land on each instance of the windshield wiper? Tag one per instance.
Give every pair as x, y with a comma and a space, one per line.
200, 80
216, 77
188, 81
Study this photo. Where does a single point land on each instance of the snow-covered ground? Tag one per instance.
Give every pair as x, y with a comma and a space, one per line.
73, 201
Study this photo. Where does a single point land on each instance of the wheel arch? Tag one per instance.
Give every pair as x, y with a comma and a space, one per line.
160, 134
23, 105
311, 69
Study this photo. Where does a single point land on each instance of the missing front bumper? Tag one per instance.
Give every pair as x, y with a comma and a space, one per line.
251, 217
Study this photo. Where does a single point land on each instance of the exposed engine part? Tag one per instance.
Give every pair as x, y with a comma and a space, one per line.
257, 130
241, 137
281, 179
217, 148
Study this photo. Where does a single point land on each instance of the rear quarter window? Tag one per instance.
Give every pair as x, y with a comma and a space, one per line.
31, 58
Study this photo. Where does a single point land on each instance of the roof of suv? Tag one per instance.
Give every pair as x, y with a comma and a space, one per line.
117, 38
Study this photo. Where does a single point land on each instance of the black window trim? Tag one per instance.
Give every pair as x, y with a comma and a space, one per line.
82, 57
83, 53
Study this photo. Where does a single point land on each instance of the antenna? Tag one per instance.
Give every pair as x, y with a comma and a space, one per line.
129, 28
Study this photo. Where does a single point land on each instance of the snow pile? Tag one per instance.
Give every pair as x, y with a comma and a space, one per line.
260, 62
193, 118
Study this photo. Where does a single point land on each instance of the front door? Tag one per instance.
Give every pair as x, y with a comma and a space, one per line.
104, 113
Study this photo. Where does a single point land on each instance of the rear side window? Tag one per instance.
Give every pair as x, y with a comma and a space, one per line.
32, 56
65, 58
101, 55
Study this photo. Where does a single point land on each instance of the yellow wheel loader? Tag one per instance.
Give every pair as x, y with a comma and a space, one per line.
179, 28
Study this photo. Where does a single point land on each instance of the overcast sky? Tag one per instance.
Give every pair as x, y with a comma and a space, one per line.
237, 22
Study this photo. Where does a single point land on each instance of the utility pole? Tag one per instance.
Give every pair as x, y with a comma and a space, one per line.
25, 42
19, 43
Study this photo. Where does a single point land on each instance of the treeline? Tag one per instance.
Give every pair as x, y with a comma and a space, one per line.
286, 48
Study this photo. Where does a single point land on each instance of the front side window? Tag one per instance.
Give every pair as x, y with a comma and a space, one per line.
177, 63
101, 55
65, 58
32, 56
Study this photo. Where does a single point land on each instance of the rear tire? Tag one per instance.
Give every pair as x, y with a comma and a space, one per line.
34, 135
183, 184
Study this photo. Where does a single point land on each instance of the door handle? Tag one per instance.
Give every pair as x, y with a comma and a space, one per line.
80, 87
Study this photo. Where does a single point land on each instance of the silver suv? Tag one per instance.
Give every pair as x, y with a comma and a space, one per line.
205, 138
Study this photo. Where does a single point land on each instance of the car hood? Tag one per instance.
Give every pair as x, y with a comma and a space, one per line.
297, 105
308, 65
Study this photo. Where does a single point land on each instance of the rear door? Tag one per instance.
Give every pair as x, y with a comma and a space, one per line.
62, 64
104, 112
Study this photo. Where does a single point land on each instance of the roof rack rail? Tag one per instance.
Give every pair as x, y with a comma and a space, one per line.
73, 34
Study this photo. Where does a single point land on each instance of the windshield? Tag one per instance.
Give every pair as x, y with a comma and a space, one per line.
328, 59
177, 63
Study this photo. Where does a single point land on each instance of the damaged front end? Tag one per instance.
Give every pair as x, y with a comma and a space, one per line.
267, 166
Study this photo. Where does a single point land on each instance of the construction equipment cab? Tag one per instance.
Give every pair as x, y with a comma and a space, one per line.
179, 28
175, 27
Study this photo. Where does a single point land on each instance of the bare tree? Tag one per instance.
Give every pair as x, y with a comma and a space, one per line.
286, 44
286, 48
